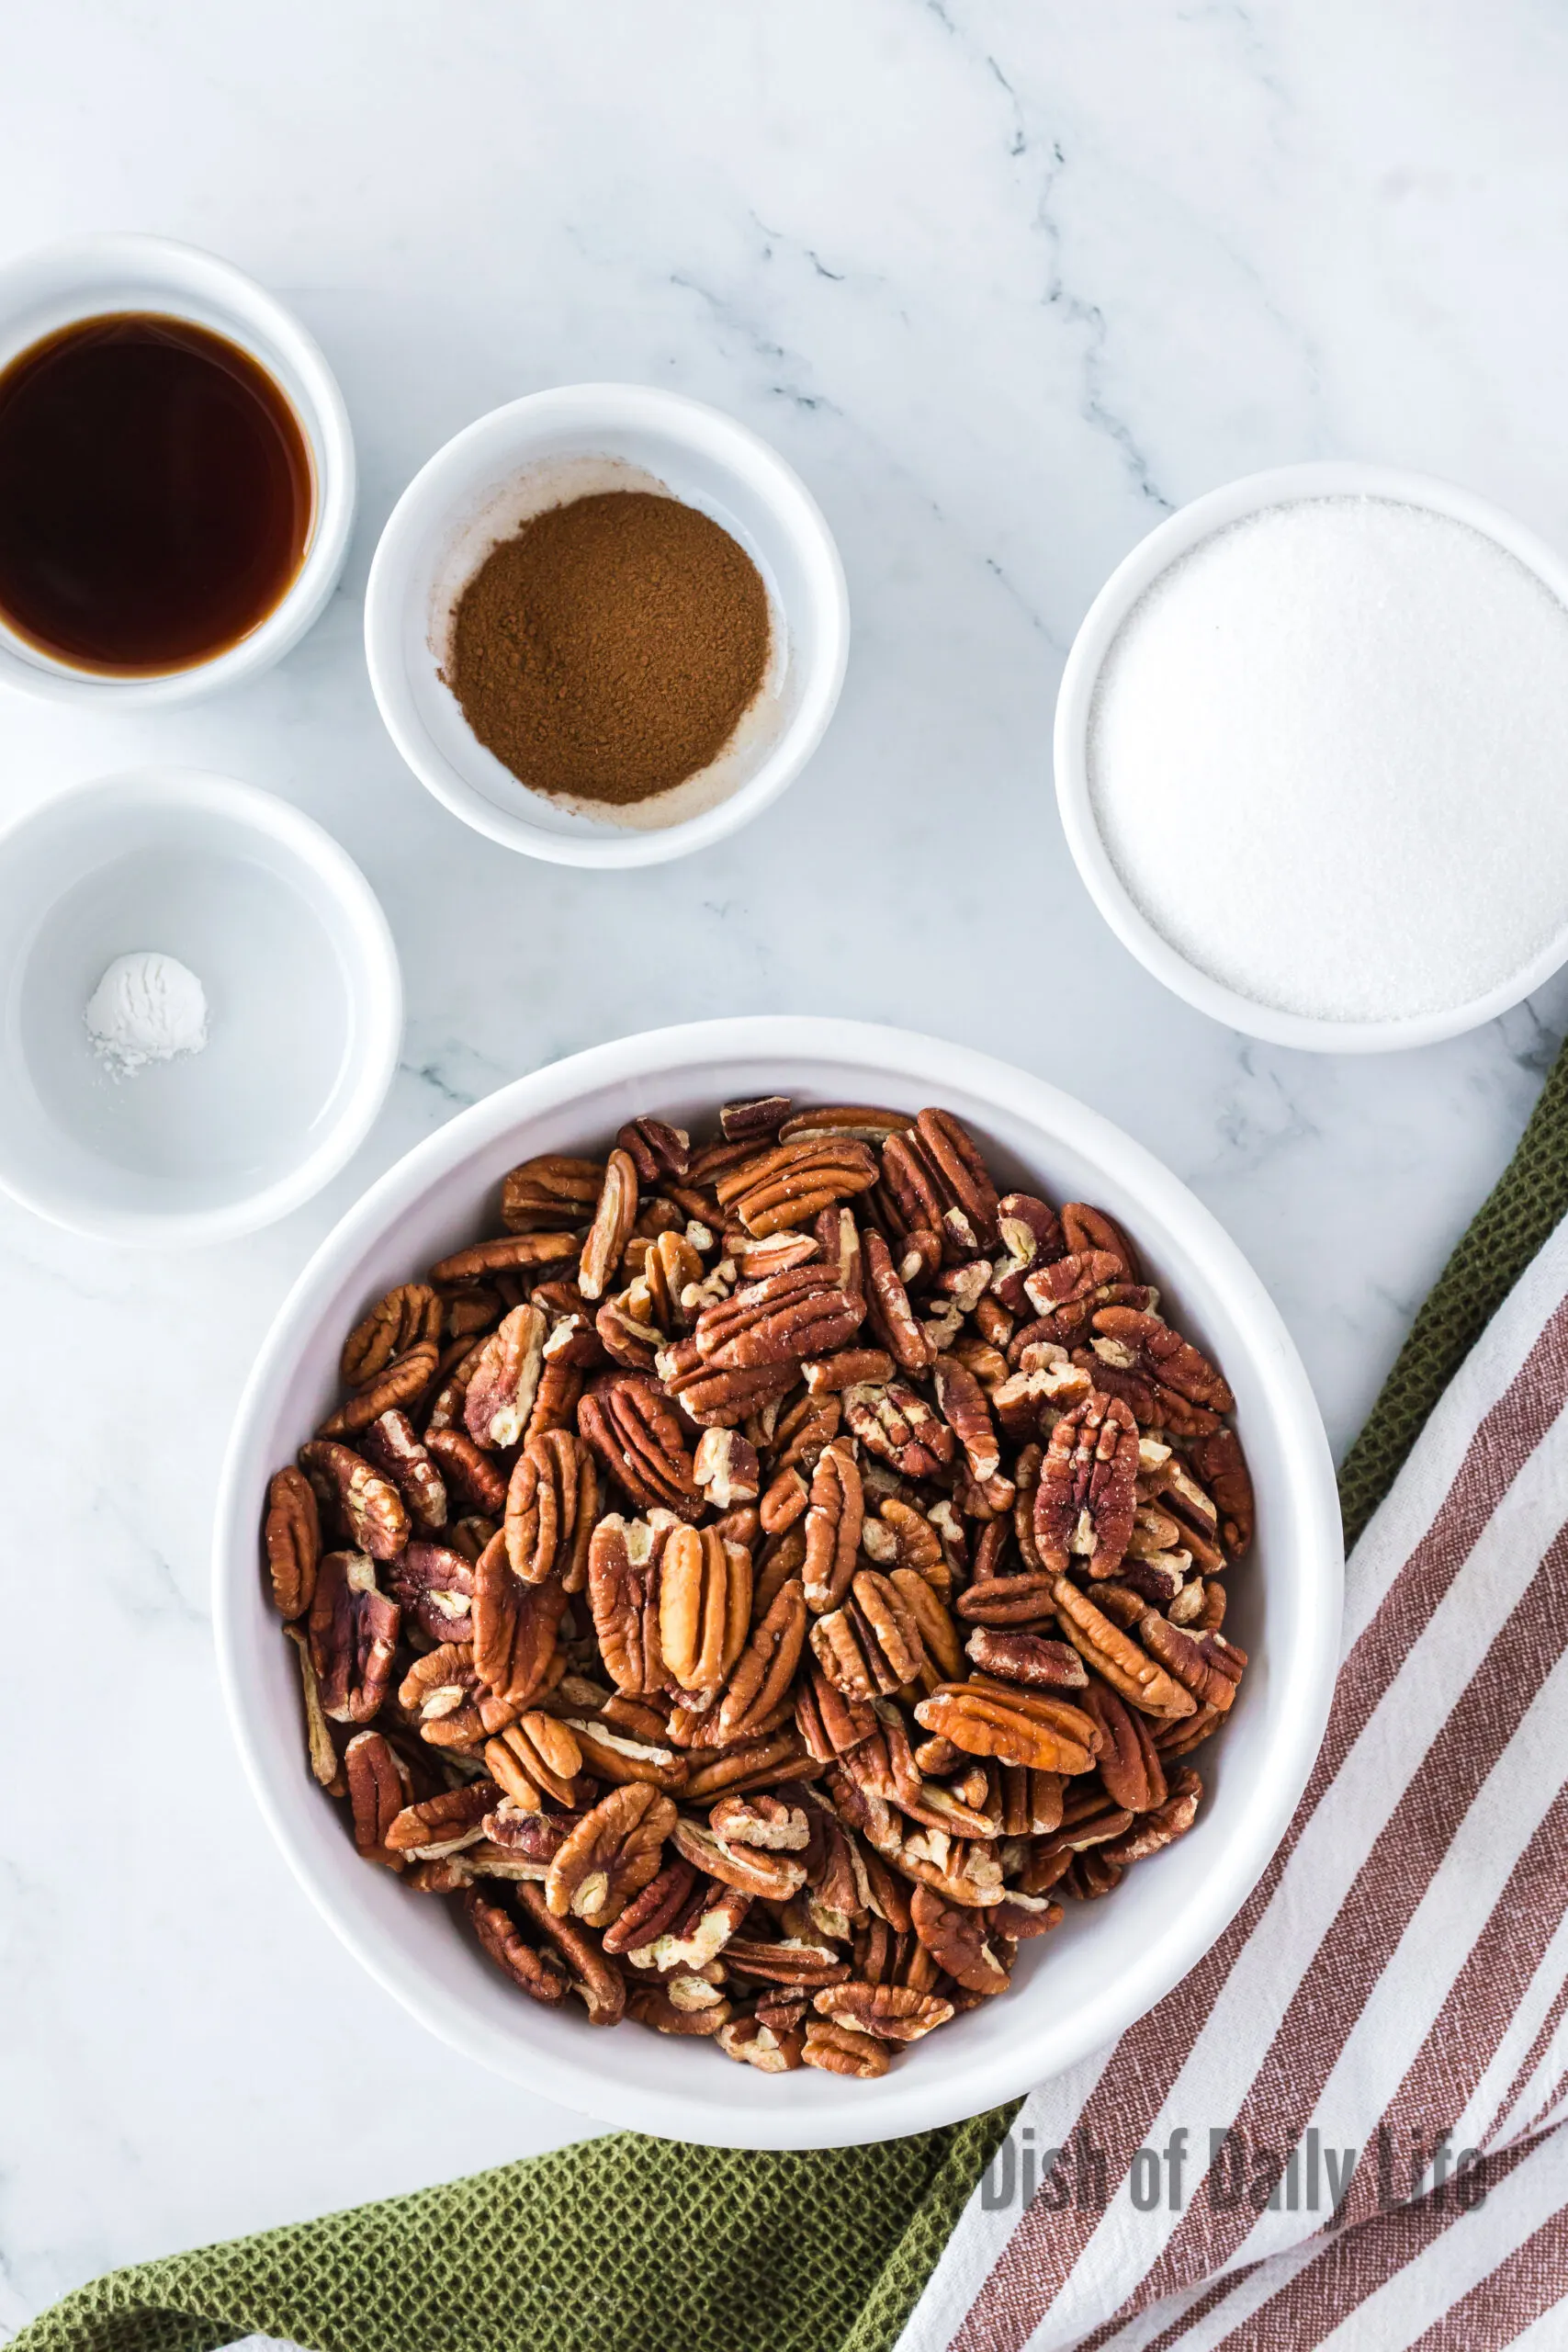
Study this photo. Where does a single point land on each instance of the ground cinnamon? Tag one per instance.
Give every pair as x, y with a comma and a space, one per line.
608, 650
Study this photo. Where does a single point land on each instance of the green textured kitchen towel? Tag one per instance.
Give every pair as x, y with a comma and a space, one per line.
629, 2244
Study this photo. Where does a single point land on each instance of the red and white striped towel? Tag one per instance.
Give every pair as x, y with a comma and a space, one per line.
1396, 1985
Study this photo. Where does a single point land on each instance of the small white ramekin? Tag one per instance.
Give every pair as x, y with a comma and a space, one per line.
95, 276
1136, 572
560, 443
304, 1006
1075, 1990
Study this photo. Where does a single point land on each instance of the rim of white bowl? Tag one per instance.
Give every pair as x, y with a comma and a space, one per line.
906, 2101
126, 270
1278, 486
601, 409
379, 1006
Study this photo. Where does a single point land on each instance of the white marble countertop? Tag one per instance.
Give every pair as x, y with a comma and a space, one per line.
1004, 281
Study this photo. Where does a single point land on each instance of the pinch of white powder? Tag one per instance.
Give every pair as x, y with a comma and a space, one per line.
148, 1007
1329, 758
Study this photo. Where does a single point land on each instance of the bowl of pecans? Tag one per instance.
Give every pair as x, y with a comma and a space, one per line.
794, 1542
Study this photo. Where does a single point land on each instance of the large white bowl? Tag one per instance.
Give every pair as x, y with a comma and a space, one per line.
539, 452
1077, 1988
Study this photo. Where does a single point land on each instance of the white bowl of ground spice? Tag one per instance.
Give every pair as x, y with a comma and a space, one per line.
606, 625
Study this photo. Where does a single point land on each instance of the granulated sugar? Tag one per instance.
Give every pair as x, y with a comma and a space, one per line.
1328, 757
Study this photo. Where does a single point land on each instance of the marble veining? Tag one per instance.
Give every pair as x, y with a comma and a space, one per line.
1006, 283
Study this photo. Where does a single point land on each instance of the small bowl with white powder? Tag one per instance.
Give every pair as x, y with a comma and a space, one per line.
1312, 757
202, 1008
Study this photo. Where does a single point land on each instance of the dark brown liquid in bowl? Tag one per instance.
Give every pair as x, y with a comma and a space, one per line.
155, 494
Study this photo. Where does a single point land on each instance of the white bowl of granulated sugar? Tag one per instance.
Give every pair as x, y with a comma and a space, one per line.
1312, 757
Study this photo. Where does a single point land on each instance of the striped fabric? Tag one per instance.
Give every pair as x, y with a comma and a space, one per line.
1382, 2030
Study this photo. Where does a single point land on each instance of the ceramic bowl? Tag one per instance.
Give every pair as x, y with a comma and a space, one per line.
1076, 1989
1075, 704
540, 452
43, 291
304, 1001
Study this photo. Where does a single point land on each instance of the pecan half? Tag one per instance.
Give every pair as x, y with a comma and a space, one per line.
654, 1910
612, 1853
293, 1538
1221, 1464
870, 1644
725, 1467
1159, 1826
501, 1939
1029, 1658
394, 1325
1164, 1357
517, 1253
960, 1940
551, 1505
705, 1606
353, 1638
900, 1425
787, 1186
394, 1446
624, 1594
834, 1524
1087, 1497
403, 1382
613, 1217
656, 1149
749, 1869
1129, 1762
370, 1504
442, 1824
441, 1695
760, 1677
379, 1786
515, 1625
781, 1319
628, 1422
434, 1585
772, 2050
687, 2007
468, 1472
595, 1980
1132, 1673
891, 2012
549, 1194
535, 1758
843, 2050
1014, 1725
891, 1318
500, 1393
698, 1932
1013, 1600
